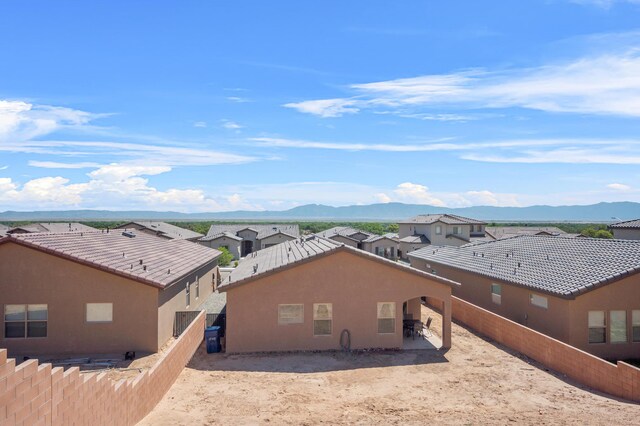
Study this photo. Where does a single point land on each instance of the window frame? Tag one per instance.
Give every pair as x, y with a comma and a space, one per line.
86, 313
197, 282
532, 296
496, 298
378, 317
316, 318
26, 320
438, 229
611, 328
188, 294
635, 323
602, 327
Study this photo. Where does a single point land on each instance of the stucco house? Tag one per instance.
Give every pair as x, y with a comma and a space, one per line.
3, 230
309, 294
439, 229
98, 292
245, 239
50, 227
501, 232
162, 230
385, 245
582, 291
627, 230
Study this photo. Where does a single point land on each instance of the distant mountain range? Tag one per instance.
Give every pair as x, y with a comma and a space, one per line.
601, 212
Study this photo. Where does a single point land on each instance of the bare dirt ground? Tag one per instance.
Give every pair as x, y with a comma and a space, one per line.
475, 382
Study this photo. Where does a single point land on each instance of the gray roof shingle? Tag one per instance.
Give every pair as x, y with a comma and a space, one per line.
262, 230
289, 253
164, 229
449, 219
416, 239
560, 266
374, 238
628, 224
54, 227
500, 232
345, 231
143, 258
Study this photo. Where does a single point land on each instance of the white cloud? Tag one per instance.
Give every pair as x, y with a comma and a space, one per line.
21, 120
601, 84
238, 99
415, 193
201, 124
619, 187
231, 125
605, 4
326, 107
4, 167
381, 197
57, 165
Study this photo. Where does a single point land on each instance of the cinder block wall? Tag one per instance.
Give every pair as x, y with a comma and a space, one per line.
39, 394
621, 379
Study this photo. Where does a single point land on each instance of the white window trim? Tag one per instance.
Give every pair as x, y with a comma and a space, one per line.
378, 318
626, 328
188, 294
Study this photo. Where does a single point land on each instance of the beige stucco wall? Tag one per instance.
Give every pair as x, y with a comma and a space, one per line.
29, 276
274, 239
174, 298
406, 248
564, 319
346, 241
626, 234
352, 283
230, 243
382, 244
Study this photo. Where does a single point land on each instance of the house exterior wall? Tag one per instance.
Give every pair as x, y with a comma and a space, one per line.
352, 283
232, 245
382, 245
564, 319
174, 298
274, 239
29, 276
406, 248
626, 234
346, 241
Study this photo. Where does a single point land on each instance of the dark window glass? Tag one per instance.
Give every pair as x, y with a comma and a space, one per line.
13, 329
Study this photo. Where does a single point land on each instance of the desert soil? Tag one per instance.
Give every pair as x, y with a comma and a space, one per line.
475, 382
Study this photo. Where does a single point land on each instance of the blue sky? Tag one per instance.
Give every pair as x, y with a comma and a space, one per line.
209, 106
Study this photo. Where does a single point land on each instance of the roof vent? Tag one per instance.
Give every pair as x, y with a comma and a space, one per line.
168, 271
128, 234
144, 267
519, 264
255, 268
141, 261
123, 255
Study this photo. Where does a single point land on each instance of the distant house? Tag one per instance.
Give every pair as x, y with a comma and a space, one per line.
500, 232
245, 239
582, 291
97, 292
347, 235
628, 230
313, 294
439, 229
56, 227
163, 230
3, 230
385, 245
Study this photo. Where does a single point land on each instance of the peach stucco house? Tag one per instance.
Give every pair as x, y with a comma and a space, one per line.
97, 292
303, 295
582, 291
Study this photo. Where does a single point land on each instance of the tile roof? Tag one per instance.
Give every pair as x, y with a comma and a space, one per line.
220, 235
561, 266
163, 261
374, 238
416, 239
449, 219
626, 224
500, 232
344, 231
54, 227
289, 253
164, 229
262, 230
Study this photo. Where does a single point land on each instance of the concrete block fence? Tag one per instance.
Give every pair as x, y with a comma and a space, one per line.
621, 379
37, 394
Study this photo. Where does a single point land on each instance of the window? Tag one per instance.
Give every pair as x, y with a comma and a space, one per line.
539, 301
597, 327
472, 228
188, 294
386, 317
322, 319
618, 326
377, 251
496, 293
22, 321
197, 288
438, 230
456, 230
635, 326
99, 312
290, 314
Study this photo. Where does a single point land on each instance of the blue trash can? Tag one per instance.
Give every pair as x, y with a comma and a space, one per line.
212, 339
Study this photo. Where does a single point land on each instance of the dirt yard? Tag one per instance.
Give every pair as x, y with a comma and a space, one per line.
473, 383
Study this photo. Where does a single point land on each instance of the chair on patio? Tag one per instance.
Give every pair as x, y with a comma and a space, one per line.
426, 331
